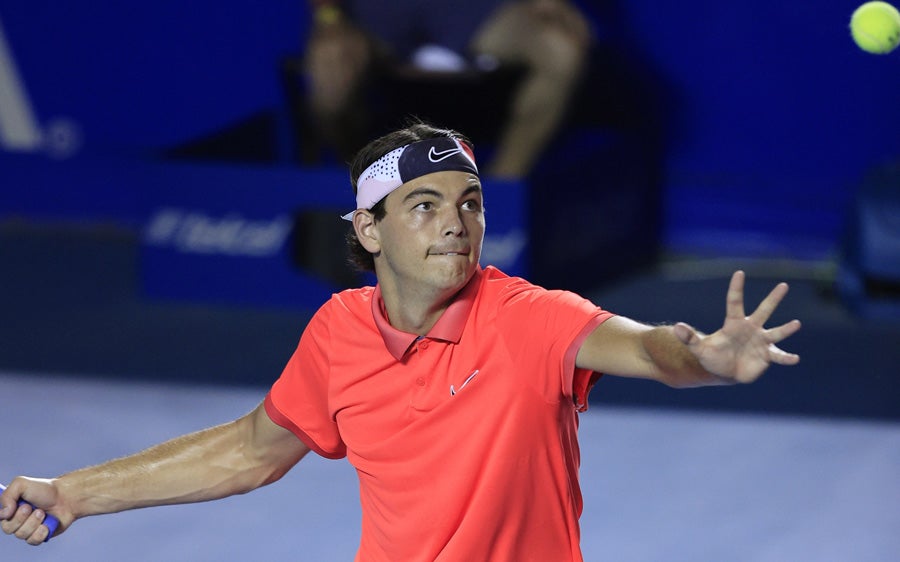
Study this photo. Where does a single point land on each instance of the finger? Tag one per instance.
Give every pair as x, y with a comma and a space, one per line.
777, 355
765, 309
18, 518
27, 525
779, 333
7, 507
39, 535
734, 300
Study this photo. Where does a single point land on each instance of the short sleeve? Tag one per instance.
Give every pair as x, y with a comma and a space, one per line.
545, 329
583, 380
299, 399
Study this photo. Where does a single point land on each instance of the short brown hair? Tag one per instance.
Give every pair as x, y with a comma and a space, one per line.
416, 130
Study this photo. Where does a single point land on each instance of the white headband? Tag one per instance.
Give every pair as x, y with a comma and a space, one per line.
407, 163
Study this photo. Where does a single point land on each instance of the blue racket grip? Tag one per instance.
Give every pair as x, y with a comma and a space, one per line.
49, 521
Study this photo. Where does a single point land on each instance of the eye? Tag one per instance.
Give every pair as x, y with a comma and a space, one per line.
425, 206
472, 205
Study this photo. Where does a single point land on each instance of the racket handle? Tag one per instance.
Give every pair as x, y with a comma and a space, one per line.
50, 521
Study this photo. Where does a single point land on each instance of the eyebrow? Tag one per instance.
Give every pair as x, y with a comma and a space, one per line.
424, 191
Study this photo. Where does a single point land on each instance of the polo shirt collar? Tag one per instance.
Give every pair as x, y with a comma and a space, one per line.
449, 326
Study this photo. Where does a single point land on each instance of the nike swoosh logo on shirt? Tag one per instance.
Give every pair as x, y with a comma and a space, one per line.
453, 390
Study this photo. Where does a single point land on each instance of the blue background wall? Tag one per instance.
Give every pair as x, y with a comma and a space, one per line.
135, 75
777, 115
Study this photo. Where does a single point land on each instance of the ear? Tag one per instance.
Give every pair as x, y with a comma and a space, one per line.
366, 230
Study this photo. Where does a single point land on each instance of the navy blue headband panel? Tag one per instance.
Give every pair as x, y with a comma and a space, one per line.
435, 155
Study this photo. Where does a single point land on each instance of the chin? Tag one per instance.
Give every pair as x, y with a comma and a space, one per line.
458, 276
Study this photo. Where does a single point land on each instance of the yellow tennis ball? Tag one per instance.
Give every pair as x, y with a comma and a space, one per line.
875, 27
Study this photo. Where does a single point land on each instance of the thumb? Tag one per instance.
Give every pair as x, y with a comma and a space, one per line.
686, 334
7, 506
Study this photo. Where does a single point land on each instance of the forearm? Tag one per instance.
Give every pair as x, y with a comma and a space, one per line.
671, 361
207, 465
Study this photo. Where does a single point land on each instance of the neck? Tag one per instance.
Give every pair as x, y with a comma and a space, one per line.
415, 313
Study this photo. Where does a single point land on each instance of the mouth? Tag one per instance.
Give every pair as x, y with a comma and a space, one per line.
460, 253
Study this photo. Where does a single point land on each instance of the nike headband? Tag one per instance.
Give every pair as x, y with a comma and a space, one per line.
440, 154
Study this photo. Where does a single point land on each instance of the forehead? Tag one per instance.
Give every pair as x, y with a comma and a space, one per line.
448, 184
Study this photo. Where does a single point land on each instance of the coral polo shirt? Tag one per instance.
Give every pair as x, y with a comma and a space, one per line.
464, 440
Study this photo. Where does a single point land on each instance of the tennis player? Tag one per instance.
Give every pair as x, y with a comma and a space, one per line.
453, 388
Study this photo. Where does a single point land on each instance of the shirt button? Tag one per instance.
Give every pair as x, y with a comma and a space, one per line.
423, 344
420, 381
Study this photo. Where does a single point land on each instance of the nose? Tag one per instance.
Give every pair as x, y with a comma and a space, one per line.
453, 224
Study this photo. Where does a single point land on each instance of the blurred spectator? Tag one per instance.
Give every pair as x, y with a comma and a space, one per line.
548, 39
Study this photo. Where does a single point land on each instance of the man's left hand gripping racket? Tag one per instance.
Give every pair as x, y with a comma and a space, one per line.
51, 522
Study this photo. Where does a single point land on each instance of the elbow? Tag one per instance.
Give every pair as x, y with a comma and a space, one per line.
273, 473
256, 471
265, 461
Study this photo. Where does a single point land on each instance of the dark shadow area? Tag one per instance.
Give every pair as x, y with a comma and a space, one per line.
70, 297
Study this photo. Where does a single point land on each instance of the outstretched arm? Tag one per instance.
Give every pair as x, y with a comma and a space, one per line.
233, 458
680, 356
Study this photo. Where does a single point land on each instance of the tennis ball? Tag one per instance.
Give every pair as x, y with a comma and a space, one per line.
875, 27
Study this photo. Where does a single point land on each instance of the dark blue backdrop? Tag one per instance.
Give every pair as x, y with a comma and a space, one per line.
777, 116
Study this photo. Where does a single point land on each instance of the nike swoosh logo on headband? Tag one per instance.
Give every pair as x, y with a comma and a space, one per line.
436, 156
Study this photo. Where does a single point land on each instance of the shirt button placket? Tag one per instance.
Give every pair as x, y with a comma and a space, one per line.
422, 345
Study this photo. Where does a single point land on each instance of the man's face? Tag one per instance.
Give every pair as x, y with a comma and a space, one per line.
429, 241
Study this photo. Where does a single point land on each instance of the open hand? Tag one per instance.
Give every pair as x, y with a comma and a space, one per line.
743, 348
